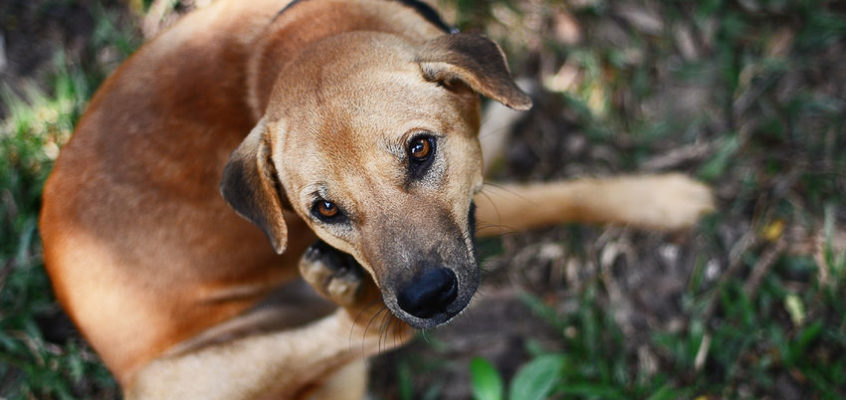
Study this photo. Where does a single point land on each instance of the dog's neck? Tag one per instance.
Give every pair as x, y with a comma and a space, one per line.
306, 22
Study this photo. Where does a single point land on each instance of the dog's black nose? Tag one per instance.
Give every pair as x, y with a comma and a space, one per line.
429, 294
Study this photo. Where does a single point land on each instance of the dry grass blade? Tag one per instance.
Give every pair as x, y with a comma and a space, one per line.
763, 266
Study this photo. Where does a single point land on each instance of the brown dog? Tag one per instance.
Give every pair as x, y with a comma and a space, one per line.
363, 120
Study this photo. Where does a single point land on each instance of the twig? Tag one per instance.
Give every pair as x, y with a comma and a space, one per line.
817, 248
746, 242
678, 156
764, 264
702, 353
4, 272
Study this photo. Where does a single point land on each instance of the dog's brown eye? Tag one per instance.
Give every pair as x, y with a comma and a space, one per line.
421, 155
326, 209
420, 148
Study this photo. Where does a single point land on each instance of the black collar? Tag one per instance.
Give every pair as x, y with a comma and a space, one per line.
426, 11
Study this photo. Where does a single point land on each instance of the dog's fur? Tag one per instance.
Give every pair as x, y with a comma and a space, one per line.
182, 298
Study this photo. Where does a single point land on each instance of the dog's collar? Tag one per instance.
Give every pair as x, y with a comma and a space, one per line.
429, 13
425, 10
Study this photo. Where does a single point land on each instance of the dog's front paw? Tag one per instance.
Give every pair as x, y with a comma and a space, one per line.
335, 275
341, 279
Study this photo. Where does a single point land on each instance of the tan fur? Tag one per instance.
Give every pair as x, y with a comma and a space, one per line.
170, 285
657, 202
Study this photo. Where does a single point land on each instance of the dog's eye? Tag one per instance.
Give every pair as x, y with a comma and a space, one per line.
420, 148
326, 211
421, 151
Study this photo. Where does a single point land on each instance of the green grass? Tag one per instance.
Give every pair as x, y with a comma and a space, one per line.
750, 343
34, 361
29, 143
773, 125
30, 365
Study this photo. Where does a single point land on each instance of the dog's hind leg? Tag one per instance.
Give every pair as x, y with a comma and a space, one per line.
661, 202
309, 362
348, 383
287, 364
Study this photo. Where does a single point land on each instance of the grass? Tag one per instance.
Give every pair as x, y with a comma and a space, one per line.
743, 350
746, 95
31, 366
38, 358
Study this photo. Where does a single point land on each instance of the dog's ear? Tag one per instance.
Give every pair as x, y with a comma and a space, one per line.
475, 60
251, 186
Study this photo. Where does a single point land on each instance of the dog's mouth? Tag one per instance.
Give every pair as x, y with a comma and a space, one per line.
433, 297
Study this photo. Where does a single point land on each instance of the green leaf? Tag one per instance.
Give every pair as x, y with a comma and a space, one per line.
485, 380
666, 392
406, 382
593, 391
719, 163
535, 379
804, 338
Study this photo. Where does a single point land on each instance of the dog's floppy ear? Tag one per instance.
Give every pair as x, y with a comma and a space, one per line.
475, 60
251, 186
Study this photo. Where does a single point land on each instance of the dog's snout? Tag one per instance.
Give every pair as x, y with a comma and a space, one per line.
429, 294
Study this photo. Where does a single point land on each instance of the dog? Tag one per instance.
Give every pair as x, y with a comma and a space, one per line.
254, 143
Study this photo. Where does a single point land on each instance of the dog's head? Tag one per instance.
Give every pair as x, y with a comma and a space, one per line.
372, 140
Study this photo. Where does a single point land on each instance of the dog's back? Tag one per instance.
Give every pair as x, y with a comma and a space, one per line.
137, 239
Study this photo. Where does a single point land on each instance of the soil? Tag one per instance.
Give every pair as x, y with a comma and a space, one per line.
37, 35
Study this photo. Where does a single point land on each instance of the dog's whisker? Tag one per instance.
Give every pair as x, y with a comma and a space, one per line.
503, 229
381, 333
373, 318
424, 333
392, 331
366, 328
358, 316
364, 309
388, 324
490, 200
370, 319
510, 191
492, 225
397, 326
381, 317
488, 196
502, 187
388, 317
